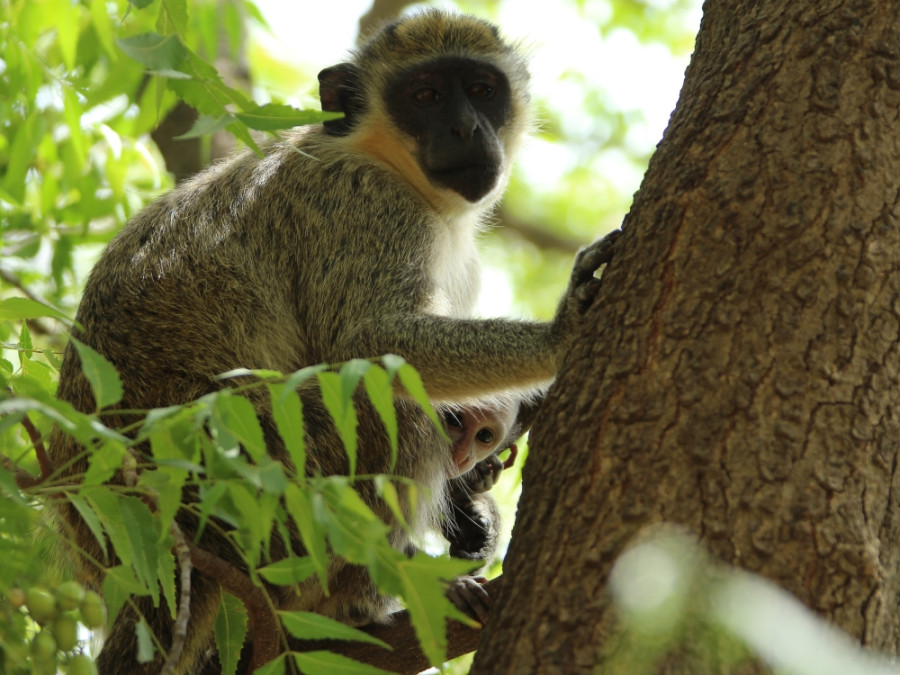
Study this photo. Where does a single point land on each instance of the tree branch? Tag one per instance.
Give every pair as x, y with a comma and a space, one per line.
538, 236
263, 623
25, 480
406, 656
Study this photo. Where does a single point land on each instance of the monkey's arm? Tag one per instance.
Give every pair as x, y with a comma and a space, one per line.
468, 358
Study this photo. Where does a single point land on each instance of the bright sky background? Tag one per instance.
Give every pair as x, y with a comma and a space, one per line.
636, 77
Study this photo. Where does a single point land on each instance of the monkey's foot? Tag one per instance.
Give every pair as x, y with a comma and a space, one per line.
468, 594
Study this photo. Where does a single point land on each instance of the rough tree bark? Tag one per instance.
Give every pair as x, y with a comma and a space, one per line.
738, 374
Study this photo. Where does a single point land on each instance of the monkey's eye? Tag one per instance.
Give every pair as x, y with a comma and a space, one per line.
426, 96
480, 90
485, 436
452, 420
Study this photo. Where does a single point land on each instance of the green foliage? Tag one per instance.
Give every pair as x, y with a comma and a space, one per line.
241, 486
231, 630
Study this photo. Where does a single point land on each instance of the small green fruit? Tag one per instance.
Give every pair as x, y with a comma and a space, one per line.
93, 611
16, 597
41, 604
81, 664
65, 630
43, 647
69, 595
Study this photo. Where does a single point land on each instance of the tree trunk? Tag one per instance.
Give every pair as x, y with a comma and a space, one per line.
738, 374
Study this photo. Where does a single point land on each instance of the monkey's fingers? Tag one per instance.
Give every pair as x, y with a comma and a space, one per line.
513, 453
470, 597
598, 253
583, 284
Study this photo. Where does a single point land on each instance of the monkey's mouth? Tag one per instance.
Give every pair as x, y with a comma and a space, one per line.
462, 462
471, 181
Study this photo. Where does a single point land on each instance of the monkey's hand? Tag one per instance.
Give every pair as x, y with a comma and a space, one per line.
483, 475
583, 285
468, 594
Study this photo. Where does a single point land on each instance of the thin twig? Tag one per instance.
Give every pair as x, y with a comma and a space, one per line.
179, 636
24, 480
38, 442
36, 326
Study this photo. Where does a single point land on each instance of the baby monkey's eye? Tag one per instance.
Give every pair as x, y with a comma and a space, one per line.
485, 436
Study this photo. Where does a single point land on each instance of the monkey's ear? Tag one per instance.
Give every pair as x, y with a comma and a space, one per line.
339, 91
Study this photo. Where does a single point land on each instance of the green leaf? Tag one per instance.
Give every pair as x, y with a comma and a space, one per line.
288, 571
167, 482
101, 374
393, 363
272, 478
287, 411
103, 26
273, 116
351, 373
166, 571
299, 377
84, 427
25, 346
414, 387
356, 533
206, 125
209, 499
173, 17
90, 518
142, 530
133, 534
274, 667
230, 631
340, 406
140, 4
106, 505
20, 156
240, 418
299, 506
68, 24
381, 394
156, 52
72, 111
9, 488
310, 626
145, 648
118, 585
425, 597
102, 463
388, 493
329, 663
253, 525
15, 309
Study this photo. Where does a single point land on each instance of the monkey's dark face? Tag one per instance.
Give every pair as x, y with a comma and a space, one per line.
454, 108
